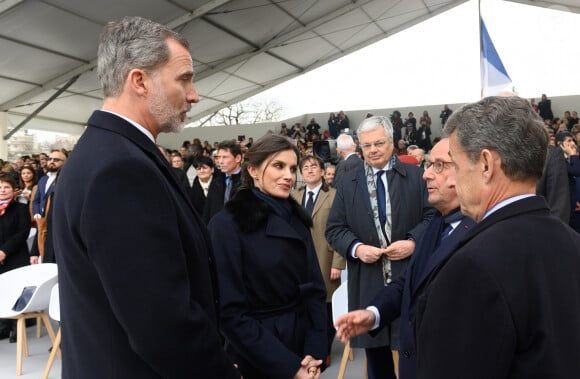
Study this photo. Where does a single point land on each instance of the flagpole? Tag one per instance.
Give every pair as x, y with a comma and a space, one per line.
480, 49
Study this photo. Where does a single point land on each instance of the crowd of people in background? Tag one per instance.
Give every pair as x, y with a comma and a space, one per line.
211, 173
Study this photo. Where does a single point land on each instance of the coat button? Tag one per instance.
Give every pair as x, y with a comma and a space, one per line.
406, 354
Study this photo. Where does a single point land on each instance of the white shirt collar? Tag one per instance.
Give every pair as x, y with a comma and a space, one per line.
389, 166
504, 203
135, 124
314, 190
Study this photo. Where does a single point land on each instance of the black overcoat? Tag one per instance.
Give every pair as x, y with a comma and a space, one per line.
273, 298
138, 289
506, 302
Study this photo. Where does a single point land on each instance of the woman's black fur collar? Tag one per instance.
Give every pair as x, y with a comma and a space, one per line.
250, 212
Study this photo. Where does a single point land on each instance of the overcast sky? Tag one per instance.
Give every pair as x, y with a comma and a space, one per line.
437, 62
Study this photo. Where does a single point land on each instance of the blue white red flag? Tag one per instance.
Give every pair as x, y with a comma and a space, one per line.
494, 76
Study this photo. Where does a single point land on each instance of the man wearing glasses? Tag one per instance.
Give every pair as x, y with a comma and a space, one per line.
380, 210
400, 298
54, 163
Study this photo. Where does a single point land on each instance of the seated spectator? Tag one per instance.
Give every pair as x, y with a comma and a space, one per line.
14, 227
401, 148
202, 183
417, 153
177, 161
329, 172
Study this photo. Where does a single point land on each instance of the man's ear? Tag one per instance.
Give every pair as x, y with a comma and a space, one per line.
137, 81
489, 162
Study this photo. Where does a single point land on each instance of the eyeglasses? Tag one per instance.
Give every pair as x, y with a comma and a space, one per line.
377, 144
313, 167
438, 166
55, 159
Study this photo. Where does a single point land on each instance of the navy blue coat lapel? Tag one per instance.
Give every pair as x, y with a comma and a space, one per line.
433, 259
115, 124
362, 188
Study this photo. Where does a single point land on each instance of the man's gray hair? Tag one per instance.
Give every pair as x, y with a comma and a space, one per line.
345, 142
373, 123
129, 43
507, 125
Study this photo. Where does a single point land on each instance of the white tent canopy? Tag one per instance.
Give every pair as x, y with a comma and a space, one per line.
240, 47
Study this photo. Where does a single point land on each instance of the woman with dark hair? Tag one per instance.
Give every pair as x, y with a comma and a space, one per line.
272, 295
14, 229
202, 182
27, 182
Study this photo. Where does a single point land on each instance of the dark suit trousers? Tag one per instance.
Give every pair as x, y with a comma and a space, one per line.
380, 363
330, 332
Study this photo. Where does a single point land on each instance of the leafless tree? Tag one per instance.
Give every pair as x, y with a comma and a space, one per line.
245, 112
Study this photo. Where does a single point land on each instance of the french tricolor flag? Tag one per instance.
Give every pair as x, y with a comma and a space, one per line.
494, 76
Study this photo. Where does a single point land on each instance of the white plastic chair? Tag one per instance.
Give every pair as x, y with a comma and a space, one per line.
339, 308
54, 312
44, 277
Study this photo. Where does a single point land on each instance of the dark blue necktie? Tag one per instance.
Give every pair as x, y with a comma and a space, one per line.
381, 200
228, 188
310, 202
446, 231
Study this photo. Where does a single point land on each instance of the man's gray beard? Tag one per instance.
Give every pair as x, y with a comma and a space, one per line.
172, 128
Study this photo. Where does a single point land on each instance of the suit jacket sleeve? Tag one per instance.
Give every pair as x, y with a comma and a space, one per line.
36, 206
338, 262
388, 301
574, 166
338, 233
159, 284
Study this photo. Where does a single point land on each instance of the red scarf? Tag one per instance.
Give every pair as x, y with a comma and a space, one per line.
3, 205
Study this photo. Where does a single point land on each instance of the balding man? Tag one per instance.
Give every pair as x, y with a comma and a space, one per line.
505, 303
346, 148
400, 297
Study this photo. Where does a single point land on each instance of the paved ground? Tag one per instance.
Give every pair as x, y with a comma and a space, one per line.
33, 366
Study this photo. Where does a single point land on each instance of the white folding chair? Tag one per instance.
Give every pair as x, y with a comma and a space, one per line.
339, 308
54, 312
43, 277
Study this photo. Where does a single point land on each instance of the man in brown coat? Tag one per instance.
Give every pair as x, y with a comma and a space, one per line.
331, 263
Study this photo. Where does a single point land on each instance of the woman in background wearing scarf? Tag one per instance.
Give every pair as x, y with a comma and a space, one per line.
14, 230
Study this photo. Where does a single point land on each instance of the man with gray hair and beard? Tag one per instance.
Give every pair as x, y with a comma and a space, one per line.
380, 209
506, 302
138, 284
